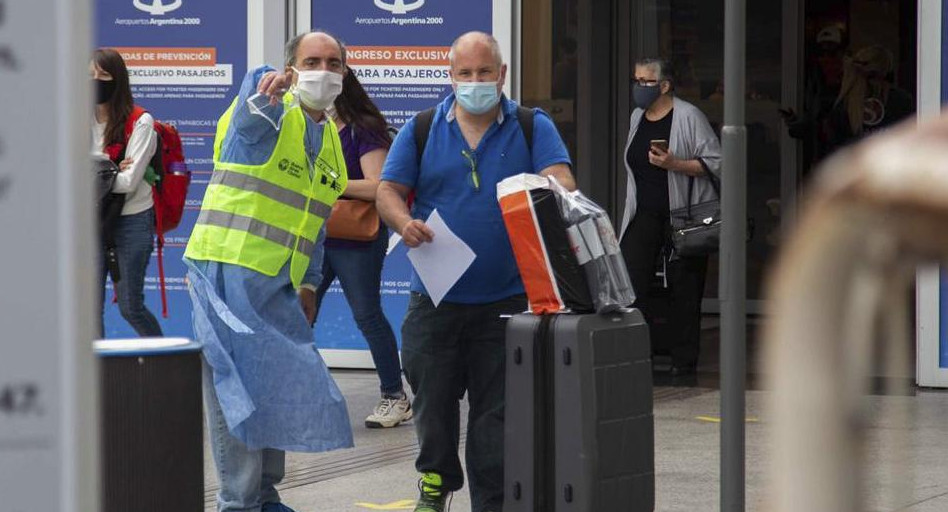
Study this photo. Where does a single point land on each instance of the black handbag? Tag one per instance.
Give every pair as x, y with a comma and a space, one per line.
109, 208
696, 229
105, 172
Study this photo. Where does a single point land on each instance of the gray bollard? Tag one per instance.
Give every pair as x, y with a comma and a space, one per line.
151, 425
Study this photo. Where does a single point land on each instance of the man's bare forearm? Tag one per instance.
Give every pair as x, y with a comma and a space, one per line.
390, 201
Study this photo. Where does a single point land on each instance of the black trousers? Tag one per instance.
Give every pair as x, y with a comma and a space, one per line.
673, 314
447, 351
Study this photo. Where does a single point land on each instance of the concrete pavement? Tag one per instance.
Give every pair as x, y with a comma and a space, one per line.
378, 474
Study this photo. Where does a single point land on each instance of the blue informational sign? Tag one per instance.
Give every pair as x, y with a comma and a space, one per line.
186, 59
399, 51
399, 48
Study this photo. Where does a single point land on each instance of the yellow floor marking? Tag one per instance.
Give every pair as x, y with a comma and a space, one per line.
715, 419
395, 505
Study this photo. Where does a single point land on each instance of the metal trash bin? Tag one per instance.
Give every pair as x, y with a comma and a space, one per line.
151, 425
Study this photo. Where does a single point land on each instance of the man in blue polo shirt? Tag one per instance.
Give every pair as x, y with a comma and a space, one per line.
475, 142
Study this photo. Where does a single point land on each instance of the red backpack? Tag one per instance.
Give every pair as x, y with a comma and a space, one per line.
170, 190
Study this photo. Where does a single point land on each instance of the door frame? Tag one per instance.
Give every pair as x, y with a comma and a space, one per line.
928, 279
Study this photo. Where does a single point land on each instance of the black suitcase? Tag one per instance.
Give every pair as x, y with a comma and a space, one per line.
579, 430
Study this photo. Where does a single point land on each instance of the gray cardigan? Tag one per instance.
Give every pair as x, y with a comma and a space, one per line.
691, 138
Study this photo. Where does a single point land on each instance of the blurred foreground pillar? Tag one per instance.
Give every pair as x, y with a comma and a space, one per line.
48, 449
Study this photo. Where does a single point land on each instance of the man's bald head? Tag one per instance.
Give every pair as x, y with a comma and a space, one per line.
475, 41
317, 37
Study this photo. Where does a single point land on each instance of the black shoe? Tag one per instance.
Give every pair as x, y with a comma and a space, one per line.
681, 370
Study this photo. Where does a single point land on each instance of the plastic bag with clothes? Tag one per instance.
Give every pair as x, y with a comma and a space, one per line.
565, 246
552, 277
597, 250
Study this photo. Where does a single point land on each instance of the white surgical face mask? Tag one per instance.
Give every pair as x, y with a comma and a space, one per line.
477, 97
318, 88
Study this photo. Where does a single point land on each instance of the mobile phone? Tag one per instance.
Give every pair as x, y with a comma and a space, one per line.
659, 143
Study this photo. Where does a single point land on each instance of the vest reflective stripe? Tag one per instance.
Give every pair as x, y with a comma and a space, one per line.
253, 184
257, 228
306, 247
248, 224
263, 216
320, 209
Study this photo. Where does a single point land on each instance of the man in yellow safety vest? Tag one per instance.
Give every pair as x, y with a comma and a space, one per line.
254, 260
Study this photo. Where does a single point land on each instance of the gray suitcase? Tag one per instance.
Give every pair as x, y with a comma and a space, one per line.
579, 430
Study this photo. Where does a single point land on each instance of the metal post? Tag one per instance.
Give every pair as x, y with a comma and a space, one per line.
291, 23
733, 260
792, 78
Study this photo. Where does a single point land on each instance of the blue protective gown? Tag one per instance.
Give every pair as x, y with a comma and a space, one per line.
274, 388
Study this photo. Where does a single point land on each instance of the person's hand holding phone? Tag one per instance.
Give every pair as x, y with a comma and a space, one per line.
797, 127
660, 144
788, 115
658, 154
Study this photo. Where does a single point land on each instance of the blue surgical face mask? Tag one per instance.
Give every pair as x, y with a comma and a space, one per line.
477, 97
644, 95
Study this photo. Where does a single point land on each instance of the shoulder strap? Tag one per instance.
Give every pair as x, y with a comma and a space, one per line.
424, 119
715, 184
711, 177
525, 118
691, 187
422, 126
133, 118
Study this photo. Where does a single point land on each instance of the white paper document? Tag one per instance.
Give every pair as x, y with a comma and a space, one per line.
441, 262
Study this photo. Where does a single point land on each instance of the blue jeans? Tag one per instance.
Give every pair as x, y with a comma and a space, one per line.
247, 477
360, 275
450, 350
134, 242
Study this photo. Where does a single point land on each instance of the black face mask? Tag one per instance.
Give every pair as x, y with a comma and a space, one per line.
104, 90
643, 96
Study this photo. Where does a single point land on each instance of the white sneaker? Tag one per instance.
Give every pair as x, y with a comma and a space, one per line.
390, 412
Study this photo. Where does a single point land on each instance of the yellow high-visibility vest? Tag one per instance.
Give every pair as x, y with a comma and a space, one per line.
260, 216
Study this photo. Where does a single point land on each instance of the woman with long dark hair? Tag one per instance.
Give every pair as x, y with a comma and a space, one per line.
358, 264
134, 230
